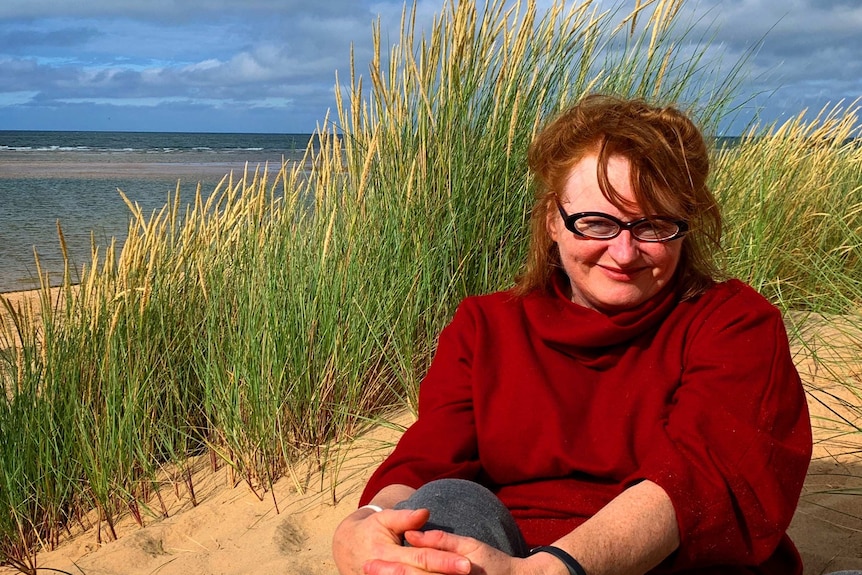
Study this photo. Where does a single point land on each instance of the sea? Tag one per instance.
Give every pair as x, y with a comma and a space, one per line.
71, 179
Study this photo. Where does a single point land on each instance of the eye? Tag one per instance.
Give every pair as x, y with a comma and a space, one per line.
656, 230
596, 226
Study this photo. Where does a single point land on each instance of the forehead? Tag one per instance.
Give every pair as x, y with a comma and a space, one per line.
582, 193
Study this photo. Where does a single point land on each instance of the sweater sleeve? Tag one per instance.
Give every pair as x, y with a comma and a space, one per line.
734, 449
442, 442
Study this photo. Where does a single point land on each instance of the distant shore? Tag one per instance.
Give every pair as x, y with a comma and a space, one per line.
72, 179
89, 169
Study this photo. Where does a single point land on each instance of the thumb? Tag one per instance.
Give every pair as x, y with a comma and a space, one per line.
401, 520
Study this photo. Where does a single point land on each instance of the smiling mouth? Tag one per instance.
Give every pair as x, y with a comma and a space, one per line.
620, 274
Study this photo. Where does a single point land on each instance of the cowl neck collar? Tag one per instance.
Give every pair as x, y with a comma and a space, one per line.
577, 330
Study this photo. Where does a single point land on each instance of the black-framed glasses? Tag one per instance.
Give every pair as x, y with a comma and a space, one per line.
601, 226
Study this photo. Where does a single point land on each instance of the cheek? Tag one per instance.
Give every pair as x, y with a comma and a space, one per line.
579, 251
666, 257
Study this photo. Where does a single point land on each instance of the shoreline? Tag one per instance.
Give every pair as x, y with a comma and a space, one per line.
26, 302
88, 169
19, 298
79, 190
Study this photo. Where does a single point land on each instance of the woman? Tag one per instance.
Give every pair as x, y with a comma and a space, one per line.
619, 410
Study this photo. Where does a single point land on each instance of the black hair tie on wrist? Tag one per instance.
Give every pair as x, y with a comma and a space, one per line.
570, 562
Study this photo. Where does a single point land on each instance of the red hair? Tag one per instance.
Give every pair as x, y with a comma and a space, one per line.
669, 168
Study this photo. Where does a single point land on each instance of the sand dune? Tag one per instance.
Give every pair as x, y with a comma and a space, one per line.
232, 531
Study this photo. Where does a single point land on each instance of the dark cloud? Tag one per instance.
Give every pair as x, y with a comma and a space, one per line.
798, 53
280, 56
173, 12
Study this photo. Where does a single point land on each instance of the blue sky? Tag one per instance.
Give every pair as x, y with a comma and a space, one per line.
269, 65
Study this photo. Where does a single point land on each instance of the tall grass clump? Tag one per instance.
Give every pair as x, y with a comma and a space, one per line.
296, 303
792, 200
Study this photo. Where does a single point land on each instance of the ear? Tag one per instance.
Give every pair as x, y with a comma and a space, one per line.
553, 221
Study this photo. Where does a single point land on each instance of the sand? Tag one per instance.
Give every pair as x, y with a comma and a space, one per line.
112, 170
232, 531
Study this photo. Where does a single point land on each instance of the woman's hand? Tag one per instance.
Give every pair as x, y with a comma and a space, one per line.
483, 559
366, 540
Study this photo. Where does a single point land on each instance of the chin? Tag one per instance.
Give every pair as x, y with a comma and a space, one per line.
620, 300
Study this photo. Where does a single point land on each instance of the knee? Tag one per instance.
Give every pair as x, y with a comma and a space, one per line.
448, 492
470, 509
456, 488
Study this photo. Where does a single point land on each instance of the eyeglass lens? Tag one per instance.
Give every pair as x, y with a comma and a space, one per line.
600, 227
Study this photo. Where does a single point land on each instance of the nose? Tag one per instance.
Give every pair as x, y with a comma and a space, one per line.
624, 248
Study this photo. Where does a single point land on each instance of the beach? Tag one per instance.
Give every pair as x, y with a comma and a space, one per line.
229, 383
234, 530
73, 179
187, 171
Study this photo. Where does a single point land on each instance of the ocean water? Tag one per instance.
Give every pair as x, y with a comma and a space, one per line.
73, 177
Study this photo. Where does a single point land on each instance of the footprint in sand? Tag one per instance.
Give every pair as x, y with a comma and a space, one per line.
289, 537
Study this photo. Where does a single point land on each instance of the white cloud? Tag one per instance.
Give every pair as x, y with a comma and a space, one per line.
272, 53
17, 98
204, 66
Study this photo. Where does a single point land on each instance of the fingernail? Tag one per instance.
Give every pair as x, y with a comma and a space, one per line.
463, 565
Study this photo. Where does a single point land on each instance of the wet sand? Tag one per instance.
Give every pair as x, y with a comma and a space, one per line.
117, 170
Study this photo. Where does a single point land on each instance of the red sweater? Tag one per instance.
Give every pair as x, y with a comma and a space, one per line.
558, 408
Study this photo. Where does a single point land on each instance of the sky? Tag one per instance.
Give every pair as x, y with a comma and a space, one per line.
270, 65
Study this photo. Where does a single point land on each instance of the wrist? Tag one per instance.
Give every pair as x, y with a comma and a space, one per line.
545, 564
365, 511
571, 566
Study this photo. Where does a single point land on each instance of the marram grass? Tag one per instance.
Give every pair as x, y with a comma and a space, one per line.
283, 312
792, 199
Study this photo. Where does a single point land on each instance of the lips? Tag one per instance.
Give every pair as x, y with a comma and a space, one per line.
622, 275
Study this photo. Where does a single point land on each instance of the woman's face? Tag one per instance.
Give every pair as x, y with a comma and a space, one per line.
609, 275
